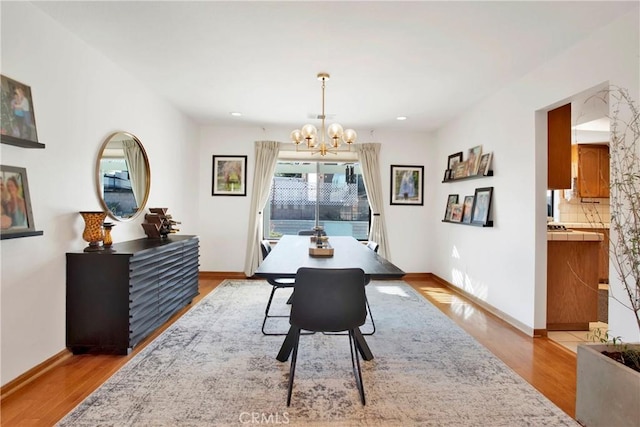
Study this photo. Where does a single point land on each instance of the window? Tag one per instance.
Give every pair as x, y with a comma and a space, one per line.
332, 192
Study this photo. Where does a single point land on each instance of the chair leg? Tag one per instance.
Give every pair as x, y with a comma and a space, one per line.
355, 363
266, 314
370, 317
292, 369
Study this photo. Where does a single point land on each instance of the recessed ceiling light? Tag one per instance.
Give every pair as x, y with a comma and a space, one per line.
236, 114
401, 118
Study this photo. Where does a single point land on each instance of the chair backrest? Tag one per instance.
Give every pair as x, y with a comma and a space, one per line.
328, 300
373, 246
310, 233
266, 248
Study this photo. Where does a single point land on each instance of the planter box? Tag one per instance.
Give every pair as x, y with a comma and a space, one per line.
607, 392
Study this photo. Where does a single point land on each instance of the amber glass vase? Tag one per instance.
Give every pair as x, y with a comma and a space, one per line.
107, 242
93, 232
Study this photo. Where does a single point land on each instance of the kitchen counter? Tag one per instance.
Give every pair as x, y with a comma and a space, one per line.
574, 235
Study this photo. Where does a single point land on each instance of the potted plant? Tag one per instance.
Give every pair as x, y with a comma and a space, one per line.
608, 372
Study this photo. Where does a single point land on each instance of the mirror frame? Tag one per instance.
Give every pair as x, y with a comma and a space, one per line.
99, 183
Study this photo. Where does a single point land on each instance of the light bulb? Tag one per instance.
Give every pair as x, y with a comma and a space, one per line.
309, 132
335, 131
296, 136
350, 136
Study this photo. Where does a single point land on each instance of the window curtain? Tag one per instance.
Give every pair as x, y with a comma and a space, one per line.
137, 169
266, 160
368, 155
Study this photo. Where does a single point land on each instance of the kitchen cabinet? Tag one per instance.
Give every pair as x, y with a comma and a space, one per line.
559, 148
572, 283
603, 252
590, 167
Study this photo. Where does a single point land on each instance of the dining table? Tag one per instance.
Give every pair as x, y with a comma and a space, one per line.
292, 252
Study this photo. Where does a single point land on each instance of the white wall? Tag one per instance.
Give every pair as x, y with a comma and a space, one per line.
223, 220
506, 265
80, 97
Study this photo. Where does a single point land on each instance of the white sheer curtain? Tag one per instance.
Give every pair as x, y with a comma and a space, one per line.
137, 169
368, 155
266, 160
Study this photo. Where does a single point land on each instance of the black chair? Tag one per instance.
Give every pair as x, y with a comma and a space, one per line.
328, 300
311, 233
276, 284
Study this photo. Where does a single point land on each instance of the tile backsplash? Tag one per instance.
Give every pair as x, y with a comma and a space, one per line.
583, 210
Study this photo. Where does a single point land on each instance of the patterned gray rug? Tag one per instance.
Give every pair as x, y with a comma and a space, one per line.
213, 367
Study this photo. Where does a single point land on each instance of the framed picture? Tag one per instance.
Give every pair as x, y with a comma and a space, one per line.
461, 170
451, 200
18, 119
467, 209
453, 160
473, 158
485, 163
407, 185
456, 212
16, 216
229, 177
482, 206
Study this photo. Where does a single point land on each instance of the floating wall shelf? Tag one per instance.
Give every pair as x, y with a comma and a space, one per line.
20, 234
488, 224
19, 142
489, 173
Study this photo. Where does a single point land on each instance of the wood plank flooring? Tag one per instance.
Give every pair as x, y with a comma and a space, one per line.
546, 365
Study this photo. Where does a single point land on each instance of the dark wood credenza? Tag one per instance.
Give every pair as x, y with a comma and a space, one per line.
117, 297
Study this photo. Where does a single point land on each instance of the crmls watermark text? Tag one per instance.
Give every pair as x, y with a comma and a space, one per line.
264, 418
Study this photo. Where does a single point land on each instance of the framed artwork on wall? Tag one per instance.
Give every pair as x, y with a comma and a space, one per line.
473, 160
16, 217
485, 163
482, 206
229, 176
453, 160
18, 119
407, 185
467, 209
451, 200
456, 212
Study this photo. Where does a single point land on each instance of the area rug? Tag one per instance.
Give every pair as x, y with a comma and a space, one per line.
214, 367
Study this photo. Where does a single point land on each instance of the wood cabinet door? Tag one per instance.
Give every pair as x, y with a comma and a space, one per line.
593, 170
559, 148
604, 171
588, 171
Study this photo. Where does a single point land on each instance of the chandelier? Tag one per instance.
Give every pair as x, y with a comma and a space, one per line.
309, 133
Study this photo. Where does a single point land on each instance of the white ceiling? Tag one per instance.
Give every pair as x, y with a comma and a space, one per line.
426, 60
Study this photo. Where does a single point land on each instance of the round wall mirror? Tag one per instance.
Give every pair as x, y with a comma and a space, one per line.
123, 176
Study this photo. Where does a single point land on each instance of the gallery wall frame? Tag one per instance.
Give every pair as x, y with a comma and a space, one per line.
229, 176
481, 211
452, 199
407, 185
18, 124
16, 217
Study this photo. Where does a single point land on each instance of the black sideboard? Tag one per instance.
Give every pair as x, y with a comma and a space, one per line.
117, 297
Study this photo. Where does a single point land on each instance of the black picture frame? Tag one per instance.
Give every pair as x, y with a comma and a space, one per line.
18, 117
481, 211
407, 185
452, 199
453, 160
229, 176
16, 213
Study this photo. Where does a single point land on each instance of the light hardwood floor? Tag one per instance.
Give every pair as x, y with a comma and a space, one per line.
547, 366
